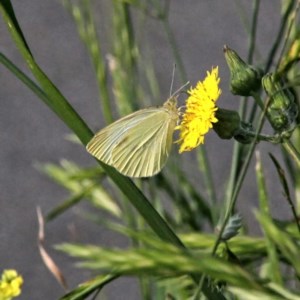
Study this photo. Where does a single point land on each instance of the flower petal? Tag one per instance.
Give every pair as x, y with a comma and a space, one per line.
200, 112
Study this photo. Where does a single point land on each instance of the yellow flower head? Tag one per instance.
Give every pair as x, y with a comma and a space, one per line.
10, 284
200, 112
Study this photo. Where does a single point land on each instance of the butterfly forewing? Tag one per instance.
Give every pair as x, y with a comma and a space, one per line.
139, 144
104, 141
142, 152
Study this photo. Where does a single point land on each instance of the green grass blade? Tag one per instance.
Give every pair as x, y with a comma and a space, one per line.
70, 202
274, 268
156, 261
286, 189
84, 20
284, 241
87, 288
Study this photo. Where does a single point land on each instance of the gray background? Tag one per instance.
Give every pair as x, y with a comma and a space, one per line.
31, 133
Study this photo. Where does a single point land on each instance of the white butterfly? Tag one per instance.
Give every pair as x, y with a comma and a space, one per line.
139, 144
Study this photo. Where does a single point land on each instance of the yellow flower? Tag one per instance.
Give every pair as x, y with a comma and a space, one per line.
10, 284
200, 112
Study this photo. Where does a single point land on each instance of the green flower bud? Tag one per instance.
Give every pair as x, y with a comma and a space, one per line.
244, 78
228, 123
282, 110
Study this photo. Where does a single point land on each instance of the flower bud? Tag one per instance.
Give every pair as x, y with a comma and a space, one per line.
282, 110
244, 78
228, 123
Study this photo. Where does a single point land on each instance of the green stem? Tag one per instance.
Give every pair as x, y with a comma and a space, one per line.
231, 194
206, 169
233, 173
258, 100
253, 31
209, 183
279, 36
261, 137
290, 148
293, 18
237, 153
175, 51
252, 48
241, 178
94, 48
239, 183
83, 18
123, 62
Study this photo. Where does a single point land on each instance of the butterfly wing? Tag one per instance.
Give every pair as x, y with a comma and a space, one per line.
104, 141
137, 145
144, 149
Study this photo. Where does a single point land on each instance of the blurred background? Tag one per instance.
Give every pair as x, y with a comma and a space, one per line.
31, 134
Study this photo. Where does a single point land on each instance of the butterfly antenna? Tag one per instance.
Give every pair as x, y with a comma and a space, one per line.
180, 89
172, 81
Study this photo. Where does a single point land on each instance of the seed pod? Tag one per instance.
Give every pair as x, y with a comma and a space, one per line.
244, 78
282, 110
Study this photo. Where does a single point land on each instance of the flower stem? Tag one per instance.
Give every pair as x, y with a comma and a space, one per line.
279, 36
258, 100
202, 155
290, 148
253, 31
242, 109
233, 190
209, 183
239, 183
292, 22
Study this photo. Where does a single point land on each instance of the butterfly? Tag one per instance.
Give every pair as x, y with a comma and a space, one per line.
138, 145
